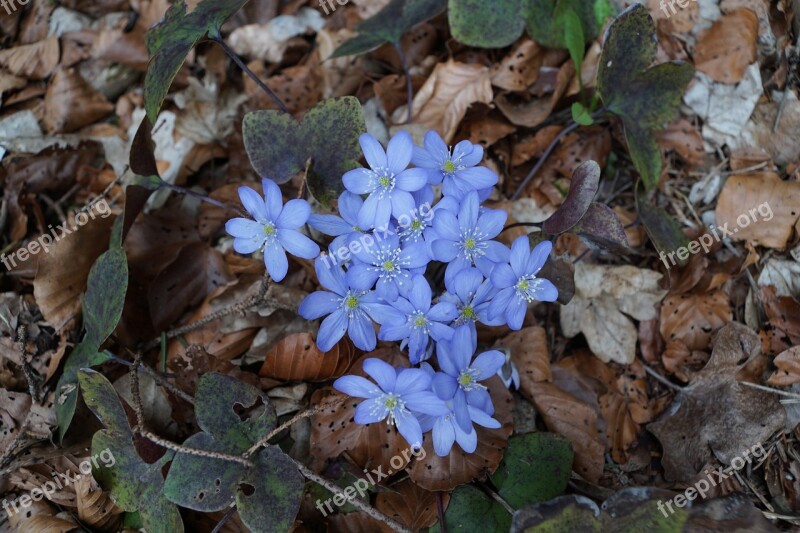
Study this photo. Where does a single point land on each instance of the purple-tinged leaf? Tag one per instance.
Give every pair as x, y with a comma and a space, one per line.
585, 180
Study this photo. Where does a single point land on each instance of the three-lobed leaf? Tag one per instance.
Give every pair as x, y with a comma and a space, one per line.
169, 42
279, 146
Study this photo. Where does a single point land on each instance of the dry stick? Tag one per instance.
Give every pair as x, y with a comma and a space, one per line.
661, 379
770, 389
141, 431
563, 133
30, 374
355, 502
501, 501
246, 69
227, 516
241, 306
409, 84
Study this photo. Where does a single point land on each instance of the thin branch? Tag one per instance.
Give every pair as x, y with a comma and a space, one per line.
540, 163
246, 69
355, 502
661, 379
201, 197
522, 224
770, 389
409, 84
227, 516
501, 501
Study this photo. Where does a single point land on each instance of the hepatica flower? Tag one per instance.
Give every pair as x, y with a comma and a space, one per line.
466, 240
396, 396
456, 170
341, 226
471, 294
389, 265
461, 377
349, 310
388, 181
414, 321
517, 282
274, 230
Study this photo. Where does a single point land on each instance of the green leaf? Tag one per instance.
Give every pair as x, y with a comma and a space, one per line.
279, 146
549, 20
603, 9
573, 38
170, 41
84, 355
105, 295
267, 495
663, 230
134, 485
494, 24
535, 468
389, 25
469, 507
581, 115
644, 98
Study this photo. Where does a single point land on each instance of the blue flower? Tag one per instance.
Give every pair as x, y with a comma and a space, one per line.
273, 230
388, 182
414, 321
509, 373
460, 379
344, 227
518, 283
388, 264
457, 171
349, 310
466, 240
471, 294
446, 430
399, 394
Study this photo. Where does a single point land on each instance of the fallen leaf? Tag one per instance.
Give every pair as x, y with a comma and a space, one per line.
693, 318
72, 103
35, 61
726, 49
269, 41
760, 208
520, 68
783, 275
714, 416
450, 90
297, 358
411, 505
788, 372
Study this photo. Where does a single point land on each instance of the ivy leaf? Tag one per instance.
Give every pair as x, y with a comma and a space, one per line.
582, 188
234, 416
102, 309
554, 23
494, 24
389, 25
644, 98
535, 468
169, 41
134, 485
279, 147
469, 506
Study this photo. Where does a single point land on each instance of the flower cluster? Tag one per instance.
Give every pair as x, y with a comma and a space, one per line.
386, 235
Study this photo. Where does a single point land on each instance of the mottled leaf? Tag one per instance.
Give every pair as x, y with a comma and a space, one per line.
663, 230
494, 24
279, 147
582, 188
134, 485
469, 507
170, 41
602, 226
389, 25
105, 295
535, 468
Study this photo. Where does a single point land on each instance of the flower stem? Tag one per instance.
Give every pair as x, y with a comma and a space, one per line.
409, 84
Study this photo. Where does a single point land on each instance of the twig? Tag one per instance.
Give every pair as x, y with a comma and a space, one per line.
563, 133
440, 512
246, 69
501, 501
770, 389
409, 84
158, 378
661, 379
305, 414
31, 376
355, 502
201, 197
224, 520
142, 431
241, 306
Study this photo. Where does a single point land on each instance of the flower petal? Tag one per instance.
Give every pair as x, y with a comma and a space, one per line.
463, 348
295, 213
373, 151
477, 177
383, 314
443, 312
420, 294
366, 217
488, 363
361, 276
538, 257
318, 304
439, 332
468, 440
468, 214
298, 244
329, 225
515, 313
491, 222
330, 275
502, 276
254, 204
444, 250
362, 332
273, 199
443, 436
545, 290
413, 179
520, 251
398, 152
421, 158
247, 245
349, 206
411, 380
500, 302
244, 228
332, 330
370, 411
425, 402
357, 387
382, 372
276, 261
444, 385
403, 206
408, 426
461, 411
481, 418
360, 181
436, 146
446, 225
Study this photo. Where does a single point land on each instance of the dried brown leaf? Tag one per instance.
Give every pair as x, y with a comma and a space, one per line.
297, 358
410, 505
726, 49
34, 61
693, 318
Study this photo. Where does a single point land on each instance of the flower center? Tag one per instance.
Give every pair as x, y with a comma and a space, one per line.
417, 224
523, 285
473, 244
388, 266
527, 288
351, 302
464, 379
468, 380
384, 181
391, 401
449, 167
468, 312
269, 229
419, 321
469, 244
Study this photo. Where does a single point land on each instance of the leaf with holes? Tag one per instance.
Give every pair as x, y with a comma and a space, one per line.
279, 147
234, 416
169, 41
134, 485
644, 97
389, 25
535, 468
